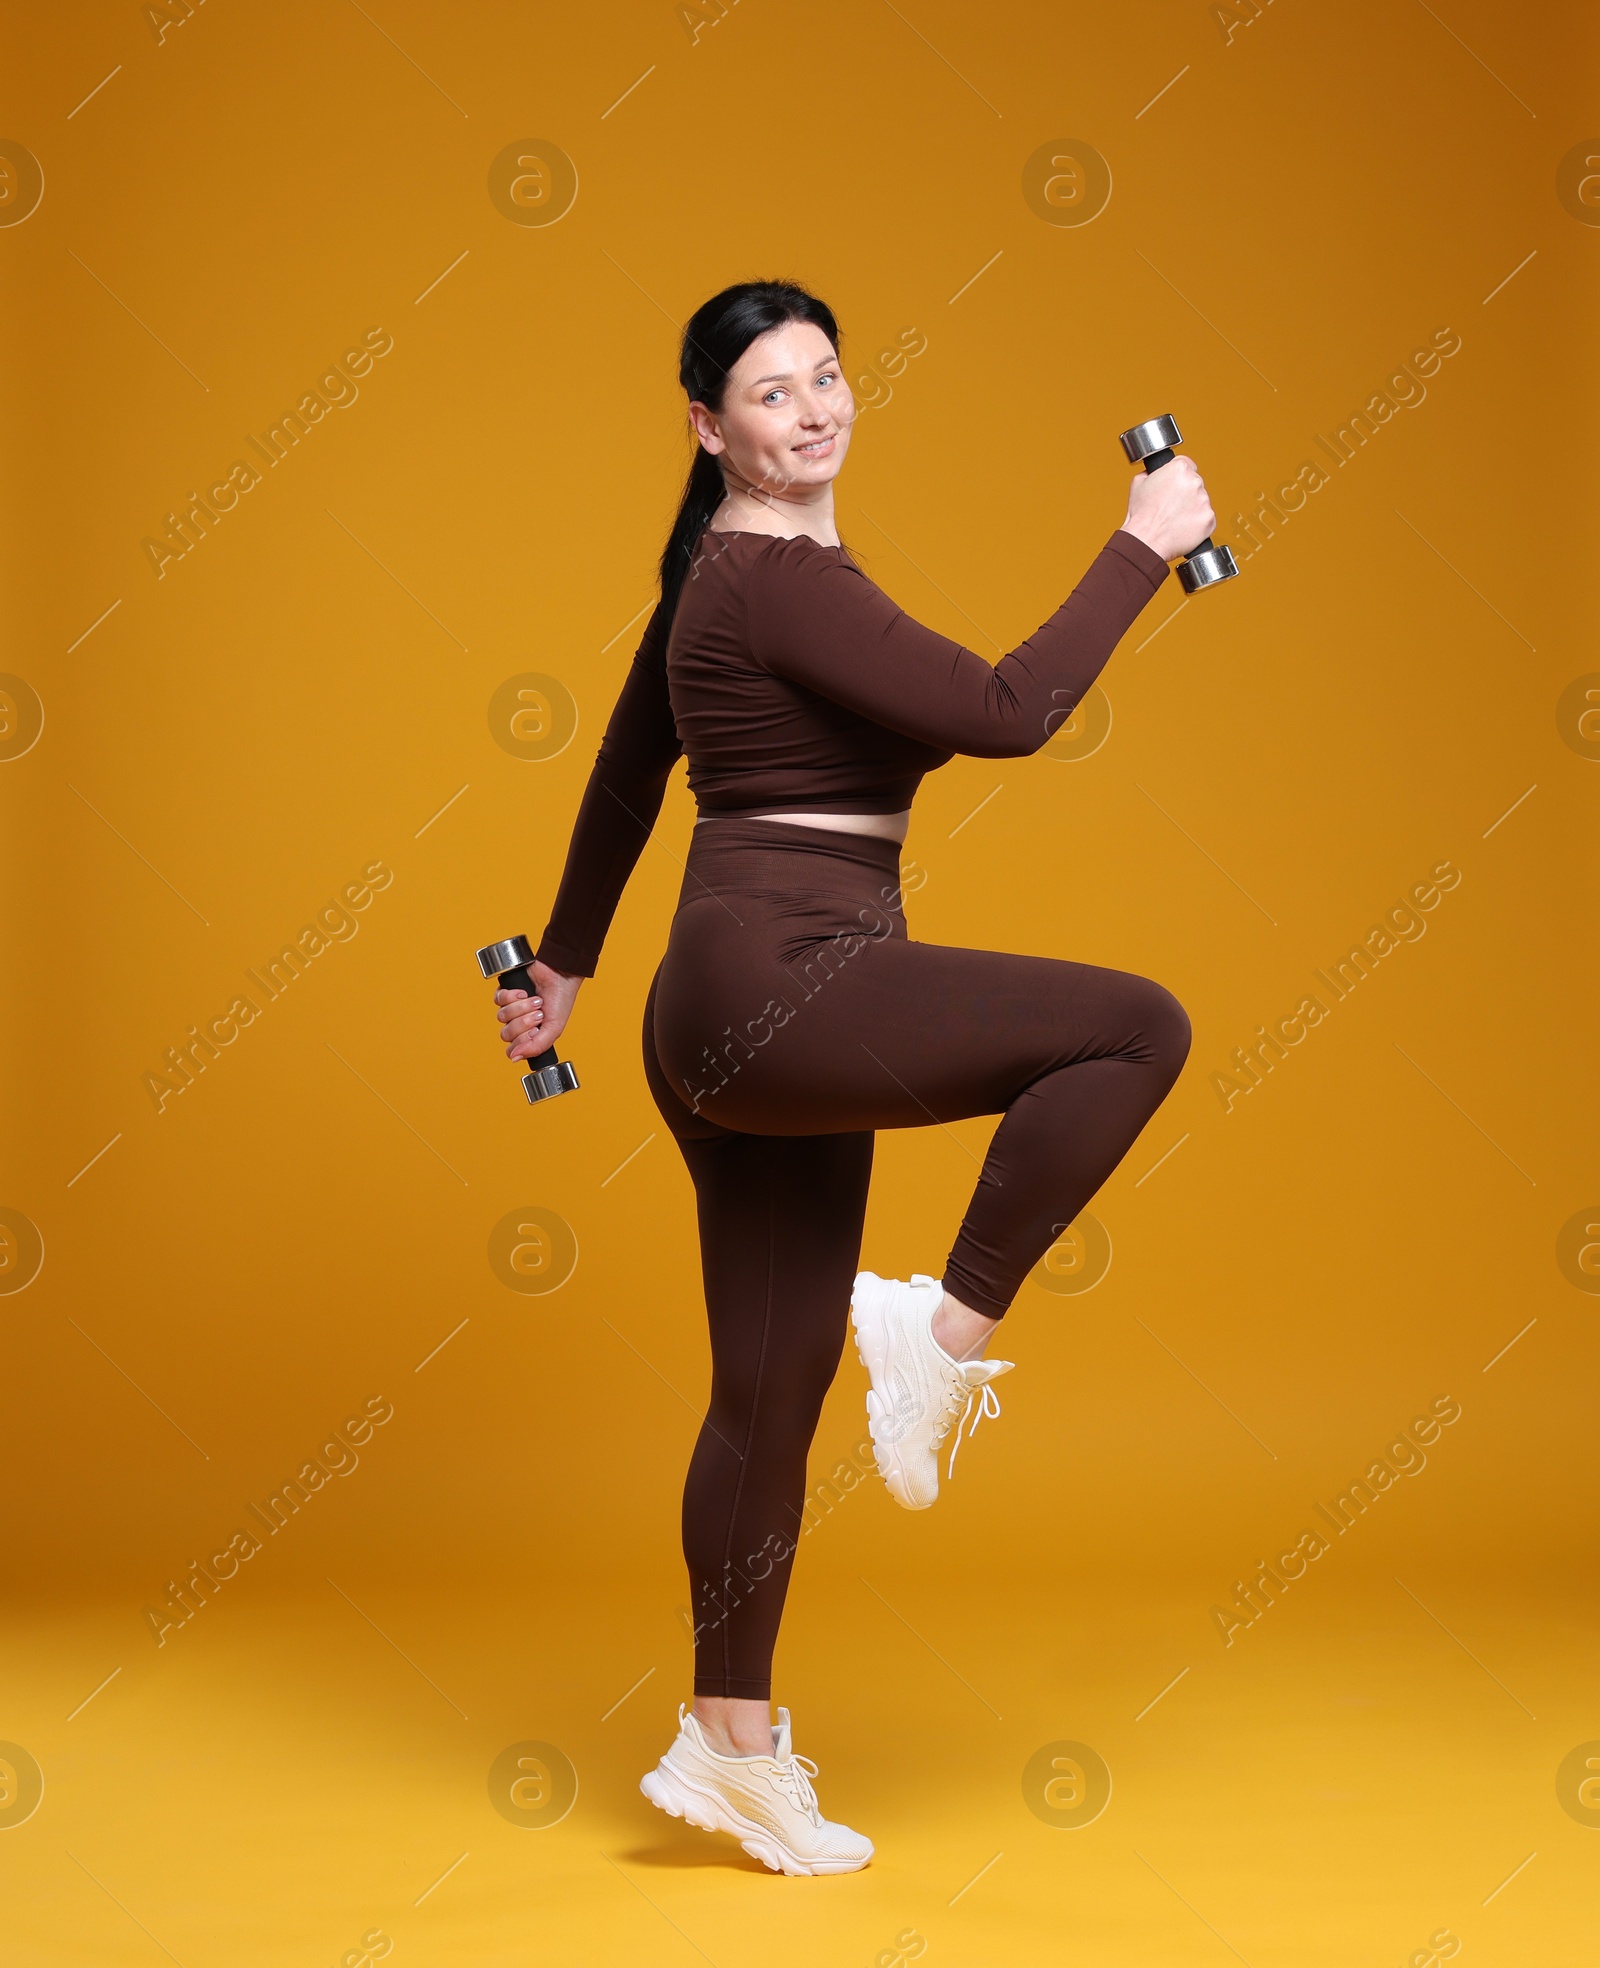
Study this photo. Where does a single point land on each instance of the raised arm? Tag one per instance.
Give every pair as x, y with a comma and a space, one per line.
618, 810
818, 620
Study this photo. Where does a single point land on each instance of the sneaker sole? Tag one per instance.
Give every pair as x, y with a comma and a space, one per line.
873, 1349
672, 1793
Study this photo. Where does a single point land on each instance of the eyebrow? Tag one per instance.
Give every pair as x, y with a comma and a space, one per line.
826, 362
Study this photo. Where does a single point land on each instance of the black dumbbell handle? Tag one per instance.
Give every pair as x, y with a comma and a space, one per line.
1154, 462
519, 980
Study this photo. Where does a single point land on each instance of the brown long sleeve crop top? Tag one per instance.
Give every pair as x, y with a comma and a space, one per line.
793, 683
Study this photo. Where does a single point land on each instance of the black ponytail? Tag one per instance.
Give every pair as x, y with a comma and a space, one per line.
716, 336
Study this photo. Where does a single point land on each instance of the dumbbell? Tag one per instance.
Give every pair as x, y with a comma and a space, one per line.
1152, 445
508, 961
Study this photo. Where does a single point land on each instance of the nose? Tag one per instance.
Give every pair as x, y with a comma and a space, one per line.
816, 410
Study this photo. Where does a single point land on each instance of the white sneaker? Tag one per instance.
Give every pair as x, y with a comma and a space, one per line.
766, 1802
917, 1389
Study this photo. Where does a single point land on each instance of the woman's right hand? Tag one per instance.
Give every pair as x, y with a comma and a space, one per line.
1169, 509
531, 1025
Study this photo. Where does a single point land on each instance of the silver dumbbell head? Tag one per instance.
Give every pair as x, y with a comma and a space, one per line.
1206, 569
545, 1081
1160, 434
497, 958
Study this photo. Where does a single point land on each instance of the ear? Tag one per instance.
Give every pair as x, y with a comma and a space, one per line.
705, 428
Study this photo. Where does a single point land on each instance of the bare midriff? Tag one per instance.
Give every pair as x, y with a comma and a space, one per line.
882, 826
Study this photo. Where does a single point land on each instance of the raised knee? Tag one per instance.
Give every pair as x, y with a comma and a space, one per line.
1167, 1028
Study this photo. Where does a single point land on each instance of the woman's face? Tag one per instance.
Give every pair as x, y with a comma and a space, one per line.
786, 413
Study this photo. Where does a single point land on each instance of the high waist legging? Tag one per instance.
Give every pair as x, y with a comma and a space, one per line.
791, 1017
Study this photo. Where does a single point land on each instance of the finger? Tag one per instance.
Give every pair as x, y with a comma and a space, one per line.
522, 1002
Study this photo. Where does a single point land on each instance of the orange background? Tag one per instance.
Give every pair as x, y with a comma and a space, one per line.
306, 693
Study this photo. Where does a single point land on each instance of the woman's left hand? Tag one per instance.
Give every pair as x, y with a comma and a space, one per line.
531, 1025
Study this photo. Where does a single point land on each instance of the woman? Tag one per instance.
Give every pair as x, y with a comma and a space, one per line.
792, 1014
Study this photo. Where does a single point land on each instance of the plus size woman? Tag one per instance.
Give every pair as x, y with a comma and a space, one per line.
793, 1014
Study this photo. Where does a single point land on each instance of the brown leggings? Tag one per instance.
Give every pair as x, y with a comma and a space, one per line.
790, 1017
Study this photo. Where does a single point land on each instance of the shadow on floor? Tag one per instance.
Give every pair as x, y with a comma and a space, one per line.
695, 1849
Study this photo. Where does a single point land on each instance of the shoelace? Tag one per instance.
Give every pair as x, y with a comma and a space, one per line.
795, 1777
988, 1404
955, 1387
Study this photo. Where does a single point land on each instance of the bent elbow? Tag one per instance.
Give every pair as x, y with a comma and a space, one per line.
1009, 743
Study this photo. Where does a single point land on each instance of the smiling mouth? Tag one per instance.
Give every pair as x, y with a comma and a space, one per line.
817, 444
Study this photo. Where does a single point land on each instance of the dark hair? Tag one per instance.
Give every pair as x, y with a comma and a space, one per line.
717, 334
